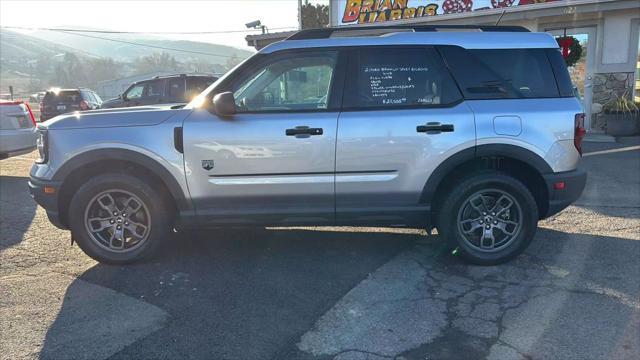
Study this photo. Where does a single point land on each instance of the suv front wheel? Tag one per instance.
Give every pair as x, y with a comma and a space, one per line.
490, 217
118, 219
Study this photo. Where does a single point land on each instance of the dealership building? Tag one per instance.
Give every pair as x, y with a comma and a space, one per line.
605, 31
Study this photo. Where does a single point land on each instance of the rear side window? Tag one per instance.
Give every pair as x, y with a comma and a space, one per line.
175, 88
390, 77
62, 97
196, 85
501, 73
565, 86
154, 88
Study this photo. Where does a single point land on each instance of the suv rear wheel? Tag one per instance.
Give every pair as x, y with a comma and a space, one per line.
490, 217
118, 219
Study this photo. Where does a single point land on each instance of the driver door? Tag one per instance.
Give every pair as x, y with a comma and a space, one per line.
273, 162
133, 95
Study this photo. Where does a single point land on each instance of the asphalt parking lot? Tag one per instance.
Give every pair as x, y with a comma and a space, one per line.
331, 293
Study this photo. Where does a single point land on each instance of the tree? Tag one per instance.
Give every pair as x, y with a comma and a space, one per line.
70, 72
43, 66
101, 69
232, 62
156, 62
198, 66
314, 15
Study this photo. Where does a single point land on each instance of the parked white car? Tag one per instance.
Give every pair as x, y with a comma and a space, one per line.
17, 129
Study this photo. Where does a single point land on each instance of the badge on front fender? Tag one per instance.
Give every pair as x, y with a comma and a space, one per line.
207, 164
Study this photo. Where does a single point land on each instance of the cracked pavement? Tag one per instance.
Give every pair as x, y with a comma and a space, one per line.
331, 293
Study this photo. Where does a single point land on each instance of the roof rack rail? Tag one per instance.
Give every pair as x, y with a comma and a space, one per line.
325, 33
181, 75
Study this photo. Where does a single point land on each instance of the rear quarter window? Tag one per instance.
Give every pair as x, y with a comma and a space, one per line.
501, 73
196, 85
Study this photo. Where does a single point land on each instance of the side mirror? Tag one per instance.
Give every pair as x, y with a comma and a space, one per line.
224, 104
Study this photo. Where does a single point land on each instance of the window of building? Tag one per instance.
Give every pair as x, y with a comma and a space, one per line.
636, 87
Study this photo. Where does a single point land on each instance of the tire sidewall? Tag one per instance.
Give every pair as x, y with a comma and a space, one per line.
147, 194
448, 218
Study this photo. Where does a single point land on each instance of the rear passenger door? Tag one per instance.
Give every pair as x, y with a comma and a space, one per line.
174, 92
153, 92
402, 116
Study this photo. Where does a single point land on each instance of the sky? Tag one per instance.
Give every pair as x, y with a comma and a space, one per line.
156, 16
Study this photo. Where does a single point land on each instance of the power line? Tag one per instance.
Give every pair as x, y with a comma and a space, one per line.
144, 32
145, 45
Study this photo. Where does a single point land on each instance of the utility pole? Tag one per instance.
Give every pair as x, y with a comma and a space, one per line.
299, 14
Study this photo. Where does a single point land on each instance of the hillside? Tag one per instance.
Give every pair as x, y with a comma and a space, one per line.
15, 46
40, 60
129, 52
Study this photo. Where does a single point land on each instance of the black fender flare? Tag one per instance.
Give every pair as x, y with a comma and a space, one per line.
480, 151
182, 200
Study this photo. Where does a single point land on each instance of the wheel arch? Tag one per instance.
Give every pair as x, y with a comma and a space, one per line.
90, 163
521, 163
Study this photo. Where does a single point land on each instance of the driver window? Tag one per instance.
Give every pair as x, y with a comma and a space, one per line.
299, 82
135, 92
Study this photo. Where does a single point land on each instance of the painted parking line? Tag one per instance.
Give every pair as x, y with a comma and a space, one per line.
612, 151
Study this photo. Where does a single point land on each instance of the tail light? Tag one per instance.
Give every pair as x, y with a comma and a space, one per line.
42, 143
33, 119
84, 105
579, 132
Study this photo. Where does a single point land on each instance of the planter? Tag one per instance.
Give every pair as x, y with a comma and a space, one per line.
622, 123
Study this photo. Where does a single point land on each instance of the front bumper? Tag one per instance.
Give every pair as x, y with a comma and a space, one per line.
48, 200
574, 183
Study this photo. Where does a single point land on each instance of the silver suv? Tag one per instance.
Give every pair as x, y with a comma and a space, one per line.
476, 132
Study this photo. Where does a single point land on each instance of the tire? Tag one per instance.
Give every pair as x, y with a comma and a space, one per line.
133, 243
483, 237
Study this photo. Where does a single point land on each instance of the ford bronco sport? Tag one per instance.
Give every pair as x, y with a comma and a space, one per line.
476, 133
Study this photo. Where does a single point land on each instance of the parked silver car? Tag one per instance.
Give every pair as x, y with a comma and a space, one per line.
17, 129
477, 133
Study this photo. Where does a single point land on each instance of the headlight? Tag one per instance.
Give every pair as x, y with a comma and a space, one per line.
43, 147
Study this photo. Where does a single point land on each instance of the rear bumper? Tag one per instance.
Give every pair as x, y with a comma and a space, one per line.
8, 154
48, 200
574, 183
17, 142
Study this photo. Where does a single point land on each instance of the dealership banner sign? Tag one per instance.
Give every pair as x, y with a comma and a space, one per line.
380, 11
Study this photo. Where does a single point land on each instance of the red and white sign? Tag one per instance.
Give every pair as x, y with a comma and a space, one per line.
379, 11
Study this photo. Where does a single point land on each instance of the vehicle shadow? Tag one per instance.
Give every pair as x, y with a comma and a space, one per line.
17, 210
251, 294
565, 287
229, 293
